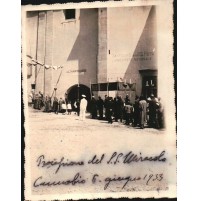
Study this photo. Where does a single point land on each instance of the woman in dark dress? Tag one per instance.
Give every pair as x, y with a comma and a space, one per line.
110, 106
55, 105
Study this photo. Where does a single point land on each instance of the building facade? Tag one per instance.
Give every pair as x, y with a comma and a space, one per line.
69, 50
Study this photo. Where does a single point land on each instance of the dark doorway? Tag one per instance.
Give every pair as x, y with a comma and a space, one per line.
75, 92
149, 86
149, 82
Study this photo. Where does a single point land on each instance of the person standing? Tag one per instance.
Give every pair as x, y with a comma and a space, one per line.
46, 104
69, 108
60, 104
127, 100
153, 106
160, 114
77, 106
31, 98
93, 108
50, 104
120, 108
63, 107
40, 100
143, 110
36, 102
100, 105
110, 110
83, 106
105, 105
117, 107
66, 98
129, 111
136, 114
55, 105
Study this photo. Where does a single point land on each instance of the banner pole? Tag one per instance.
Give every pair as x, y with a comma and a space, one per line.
117, 85
91, 89
78, 91
45, 56
108, 87
98, 87
130, 91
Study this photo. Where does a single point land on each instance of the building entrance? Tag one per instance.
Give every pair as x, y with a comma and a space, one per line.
75, 92
149, 83
149, 86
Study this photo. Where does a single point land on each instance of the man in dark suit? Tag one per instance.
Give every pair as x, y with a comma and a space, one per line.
100, 106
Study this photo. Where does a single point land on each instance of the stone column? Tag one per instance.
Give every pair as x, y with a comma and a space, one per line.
102, 45
49, 53
44, 52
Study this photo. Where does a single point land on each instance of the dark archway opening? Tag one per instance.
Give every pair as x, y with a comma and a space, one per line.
75, 92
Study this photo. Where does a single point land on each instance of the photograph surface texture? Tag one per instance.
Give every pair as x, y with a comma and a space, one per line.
99, 100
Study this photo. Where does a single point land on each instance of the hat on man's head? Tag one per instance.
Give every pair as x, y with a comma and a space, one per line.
83, 96
152, 95
149, 99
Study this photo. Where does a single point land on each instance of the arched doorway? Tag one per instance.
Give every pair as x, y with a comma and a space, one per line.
75, 92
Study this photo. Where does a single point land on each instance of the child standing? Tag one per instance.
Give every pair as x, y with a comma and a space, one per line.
69, 108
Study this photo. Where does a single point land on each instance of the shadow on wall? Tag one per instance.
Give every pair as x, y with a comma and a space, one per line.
147, 43
85, 51
86, 46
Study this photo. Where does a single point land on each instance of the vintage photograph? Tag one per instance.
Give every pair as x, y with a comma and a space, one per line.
99, 100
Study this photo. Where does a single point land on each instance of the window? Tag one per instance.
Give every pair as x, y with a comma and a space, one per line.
149, 86
69, 14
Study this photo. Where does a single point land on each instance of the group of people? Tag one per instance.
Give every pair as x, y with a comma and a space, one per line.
144, 112
57, 106
63, 106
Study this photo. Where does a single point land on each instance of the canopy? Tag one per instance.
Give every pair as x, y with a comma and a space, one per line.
113, 86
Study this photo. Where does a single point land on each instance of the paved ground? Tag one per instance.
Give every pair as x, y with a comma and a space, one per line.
52, 135
50, 121
48, 129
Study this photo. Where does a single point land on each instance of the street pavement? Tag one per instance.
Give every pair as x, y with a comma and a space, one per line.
49, 130
58, 122
57, 135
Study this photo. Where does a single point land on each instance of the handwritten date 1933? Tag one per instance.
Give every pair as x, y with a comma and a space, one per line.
147, 178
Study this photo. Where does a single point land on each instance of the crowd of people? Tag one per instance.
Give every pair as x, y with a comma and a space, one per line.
46, 104
143, 113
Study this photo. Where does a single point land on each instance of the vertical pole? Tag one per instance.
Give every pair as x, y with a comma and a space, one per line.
98, 87
125, 86
52, 80
130, 91
108, 87
45, 54
36, 52
152, 88
78, 91
146, 94
117, 86
135, 88
90, 89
